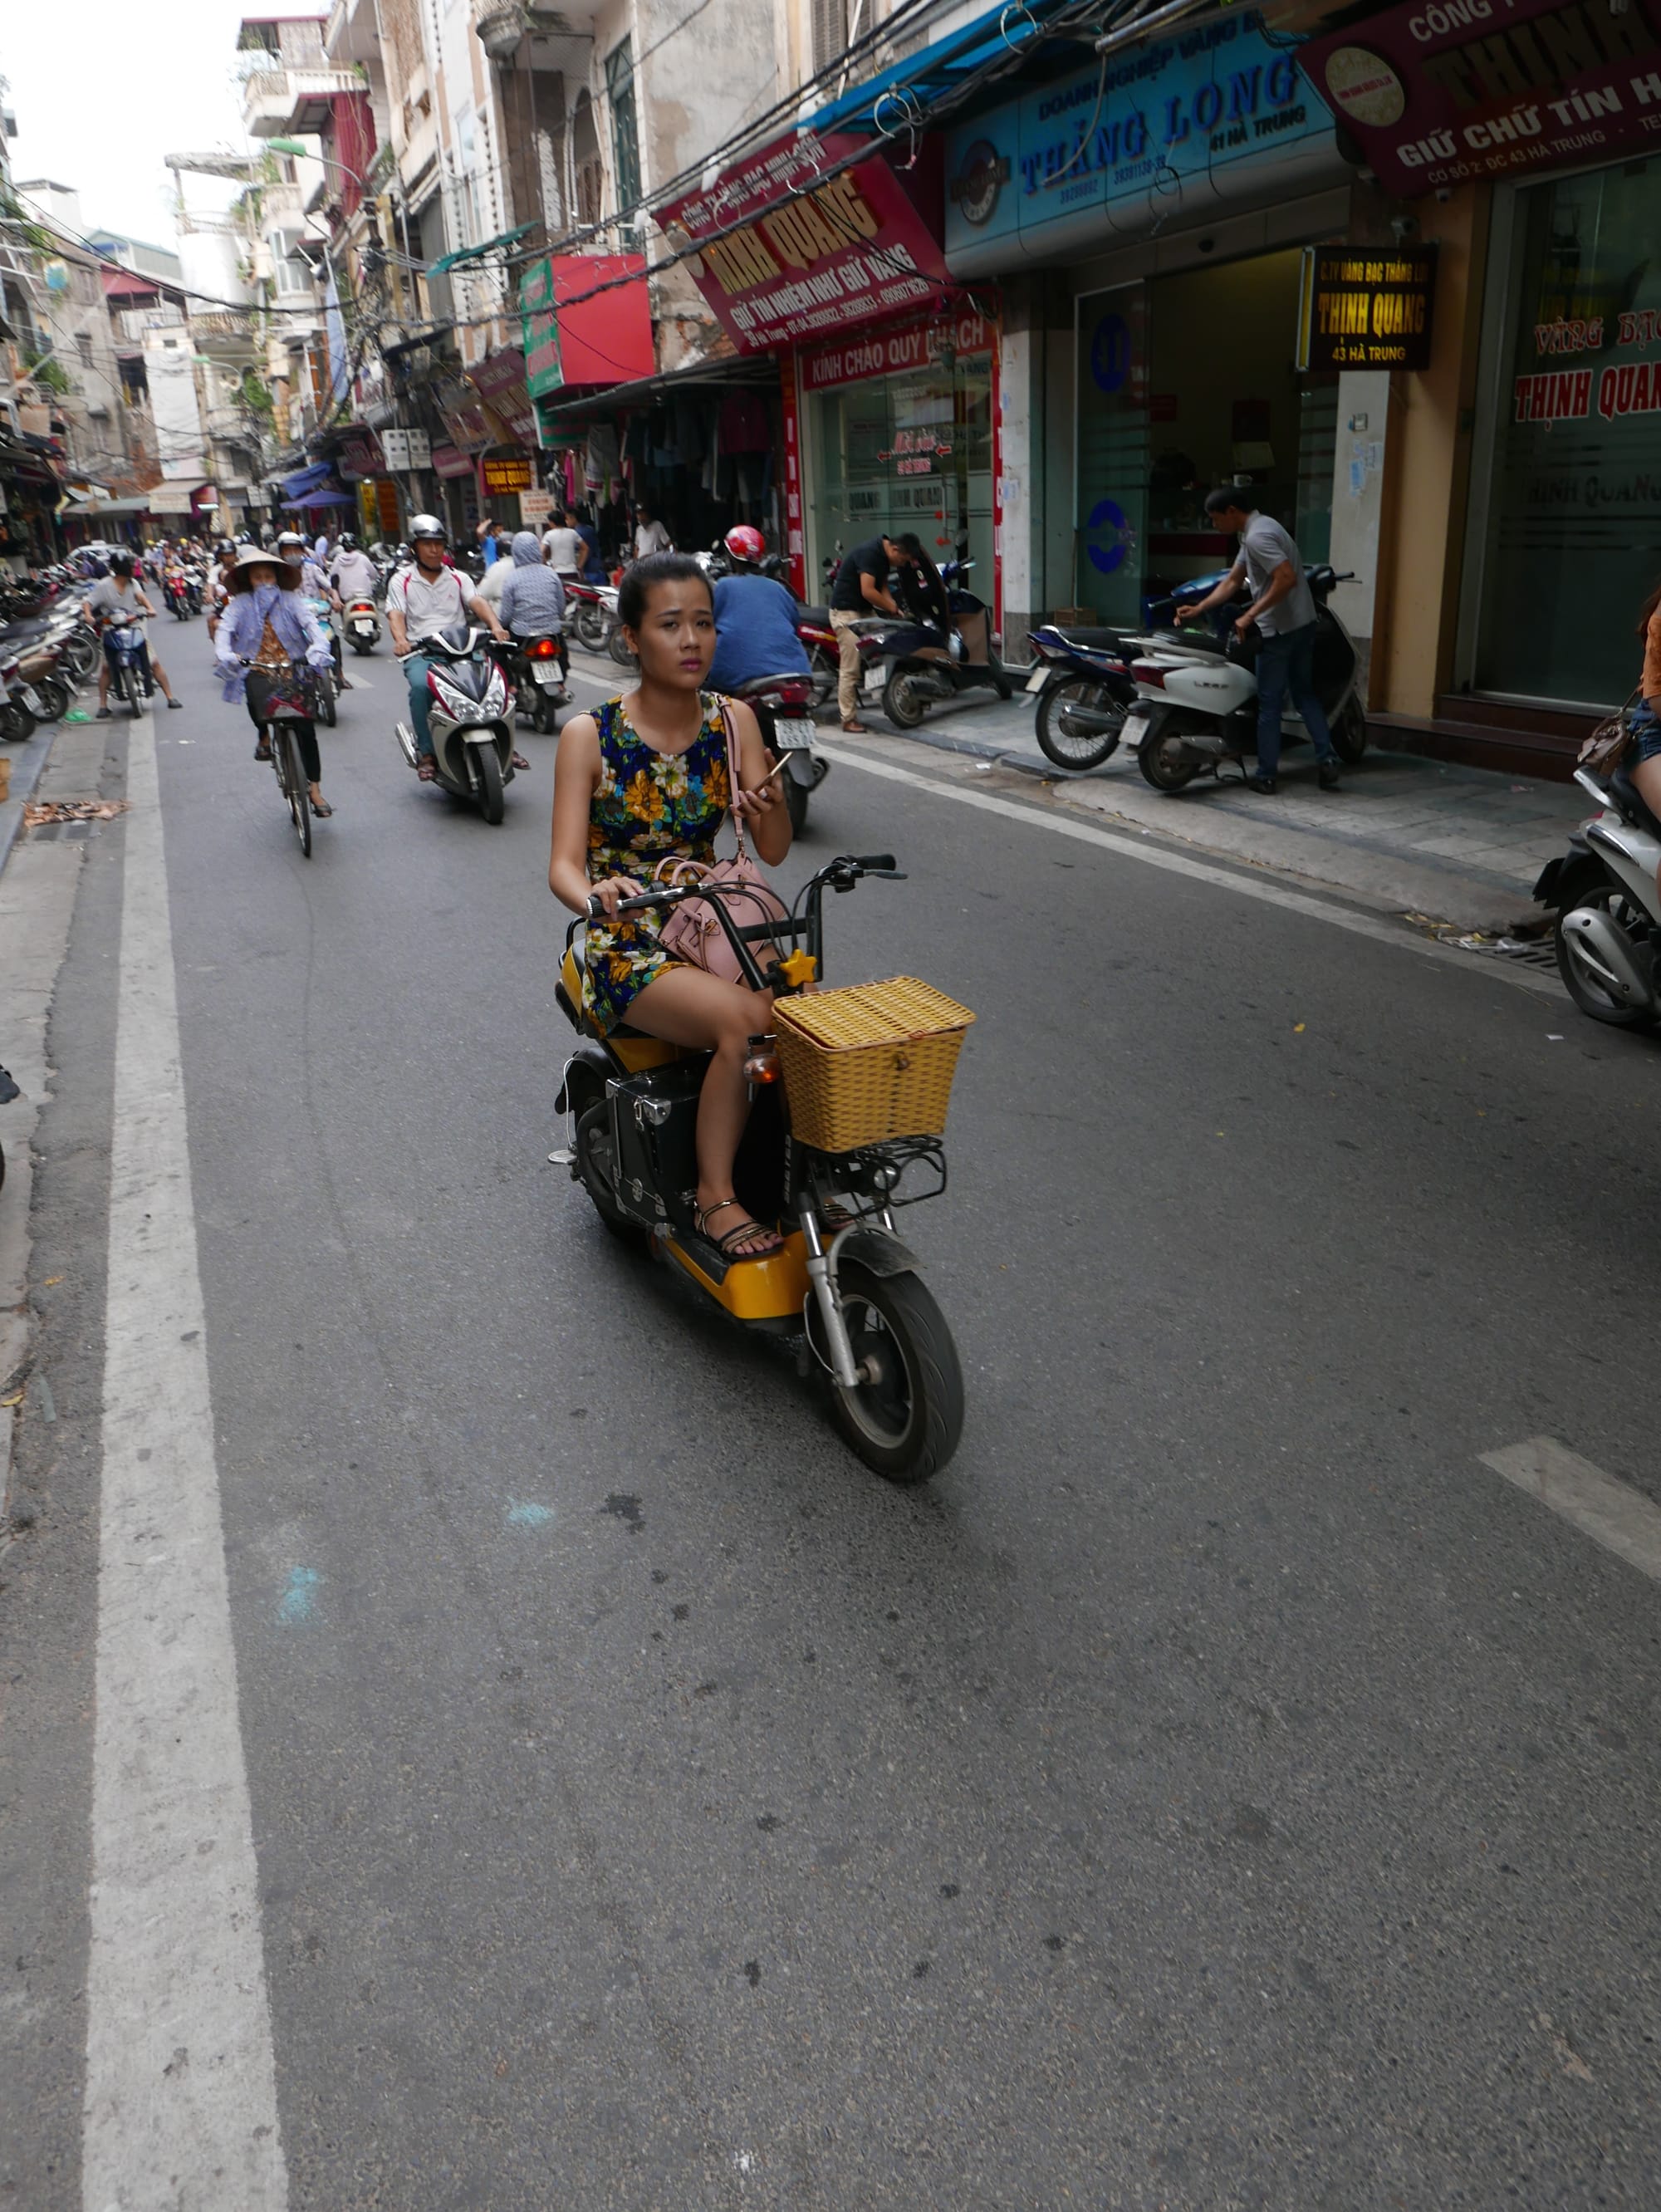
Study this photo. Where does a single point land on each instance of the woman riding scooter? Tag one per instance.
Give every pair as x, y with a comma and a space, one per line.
643, 780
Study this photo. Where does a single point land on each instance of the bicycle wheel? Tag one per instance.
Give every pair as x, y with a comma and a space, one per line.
294, 783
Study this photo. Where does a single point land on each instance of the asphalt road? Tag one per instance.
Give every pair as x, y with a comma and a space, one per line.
1219, 1789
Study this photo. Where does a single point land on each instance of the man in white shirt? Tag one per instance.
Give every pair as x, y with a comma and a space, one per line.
650, 535
422, 600
562, 548
120, 593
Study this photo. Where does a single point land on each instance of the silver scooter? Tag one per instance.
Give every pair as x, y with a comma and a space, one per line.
1608, 933
471, 719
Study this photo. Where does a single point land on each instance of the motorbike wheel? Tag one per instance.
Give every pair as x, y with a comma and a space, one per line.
363, 644
1001, 683
824, 667
329, 713
1090, 748
1349, 735
80, 657
489, 771
1160, 762
590, 624
132, 691
617, 645
53, 696
904, 1421
901, 704
1629, 917
796, 804
17, 723
546, 719
594, 1172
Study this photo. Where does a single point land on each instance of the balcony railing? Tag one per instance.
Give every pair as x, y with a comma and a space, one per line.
293, 103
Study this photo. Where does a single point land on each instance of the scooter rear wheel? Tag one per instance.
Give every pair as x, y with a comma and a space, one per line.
904, 1418
1349, 735
594, 1172
1624, 913
1160, 758
901, 702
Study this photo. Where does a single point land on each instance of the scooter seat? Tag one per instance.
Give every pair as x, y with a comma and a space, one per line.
819, 616
1631, 803
1091, 641
636, 1050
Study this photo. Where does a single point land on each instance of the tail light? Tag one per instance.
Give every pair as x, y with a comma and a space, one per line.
794, 694
1150, 672
1041, 649
543, 648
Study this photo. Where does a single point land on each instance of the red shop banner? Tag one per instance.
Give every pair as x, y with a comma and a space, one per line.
1436, 93
889, 353
787, 251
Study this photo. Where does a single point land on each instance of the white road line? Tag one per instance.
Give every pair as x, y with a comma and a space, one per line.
181, 2095
1620, 1519
1154, 855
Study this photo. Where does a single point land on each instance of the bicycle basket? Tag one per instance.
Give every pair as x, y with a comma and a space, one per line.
869, 1062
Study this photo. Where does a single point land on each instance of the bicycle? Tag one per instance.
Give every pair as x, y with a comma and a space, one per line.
290, 701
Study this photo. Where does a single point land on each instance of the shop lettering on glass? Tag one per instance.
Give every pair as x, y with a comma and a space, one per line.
1566, 395
886, 353
1372, 309
915, 452
1461, 89
810, 256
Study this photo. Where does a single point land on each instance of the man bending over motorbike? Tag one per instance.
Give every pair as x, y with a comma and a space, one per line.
642, 781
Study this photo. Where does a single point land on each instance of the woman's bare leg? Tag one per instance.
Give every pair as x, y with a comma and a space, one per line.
1646, 775
685, 1007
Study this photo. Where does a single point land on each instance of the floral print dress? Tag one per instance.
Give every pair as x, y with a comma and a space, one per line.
648, 807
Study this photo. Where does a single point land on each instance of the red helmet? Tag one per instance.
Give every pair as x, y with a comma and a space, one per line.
745, 542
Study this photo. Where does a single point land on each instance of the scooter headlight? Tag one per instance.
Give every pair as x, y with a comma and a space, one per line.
495, 695
454, 702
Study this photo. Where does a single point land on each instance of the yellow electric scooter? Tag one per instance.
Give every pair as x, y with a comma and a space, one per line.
849, 1094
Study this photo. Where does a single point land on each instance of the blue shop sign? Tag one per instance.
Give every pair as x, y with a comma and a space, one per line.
1173, 130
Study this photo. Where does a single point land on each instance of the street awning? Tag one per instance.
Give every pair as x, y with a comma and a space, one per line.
922, 78
321, 499
645, 391
134, 503
304, 480
467, 257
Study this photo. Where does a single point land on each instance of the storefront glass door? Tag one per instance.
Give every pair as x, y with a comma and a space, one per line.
1111, 521
1572, 544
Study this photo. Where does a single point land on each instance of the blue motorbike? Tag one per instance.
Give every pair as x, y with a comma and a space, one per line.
1082, 678
129, 663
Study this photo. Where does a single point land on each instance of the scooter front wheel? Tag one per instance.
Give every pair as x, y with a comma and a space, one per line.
488, 769
1349, 734
796, 804
1077, 744
905, 1416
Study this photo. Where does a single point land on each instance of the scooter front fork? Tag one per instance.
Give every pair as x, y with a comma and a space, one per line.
822, 1281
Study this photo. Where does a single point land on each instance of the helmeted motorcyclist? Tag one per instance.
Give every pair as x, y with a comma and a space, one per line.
423, 598
352, 573
756, 618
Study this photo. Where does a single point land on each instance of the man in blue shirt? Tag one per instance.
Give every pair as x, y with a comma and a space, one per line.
755, 620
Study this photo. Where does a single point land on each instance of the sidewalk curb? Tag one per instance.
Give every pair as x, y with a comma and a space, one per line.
28, 763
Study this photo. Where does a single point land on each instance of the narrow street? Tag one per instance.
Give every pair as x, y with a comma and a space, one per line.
1220, 1788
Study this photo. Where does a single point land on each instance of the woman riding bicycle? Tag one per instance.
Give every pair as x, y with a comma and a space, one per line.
645, 779
267, 628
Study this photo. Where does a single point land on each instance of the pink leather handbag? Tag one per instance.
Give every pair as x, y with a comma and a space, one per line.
694, 931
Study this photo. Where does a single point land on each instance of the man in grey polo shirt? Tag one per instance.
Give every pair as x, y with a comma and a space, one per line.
1283, 609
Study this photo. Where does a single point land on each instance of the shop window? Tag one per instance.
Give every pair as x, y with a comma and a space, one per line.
1571, 545
1110, 525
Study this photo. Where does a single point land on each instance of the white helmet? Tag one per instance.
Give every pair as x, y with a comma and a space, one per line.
426, 525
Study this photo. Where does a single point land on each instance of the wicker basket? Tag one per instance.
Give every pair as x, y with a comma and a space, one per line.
870, 1061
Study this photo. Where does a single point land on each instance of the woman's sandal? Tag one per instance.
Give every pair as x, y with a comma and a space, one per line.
746, 1228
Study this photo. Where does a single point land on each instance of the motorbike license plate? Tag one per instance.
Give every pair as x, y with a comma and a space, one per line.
794, 735
546, 675
1038, 679
1136, 729
364, 628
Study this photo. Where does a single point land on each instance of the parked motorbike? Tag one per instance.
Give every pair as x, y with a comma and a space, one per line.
913, 665
590, 618
1608, 930
471, 720
129, 675
844, 1285
536, 669
1197, 694
362, 625
1082, 678
784, 707
812, 627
